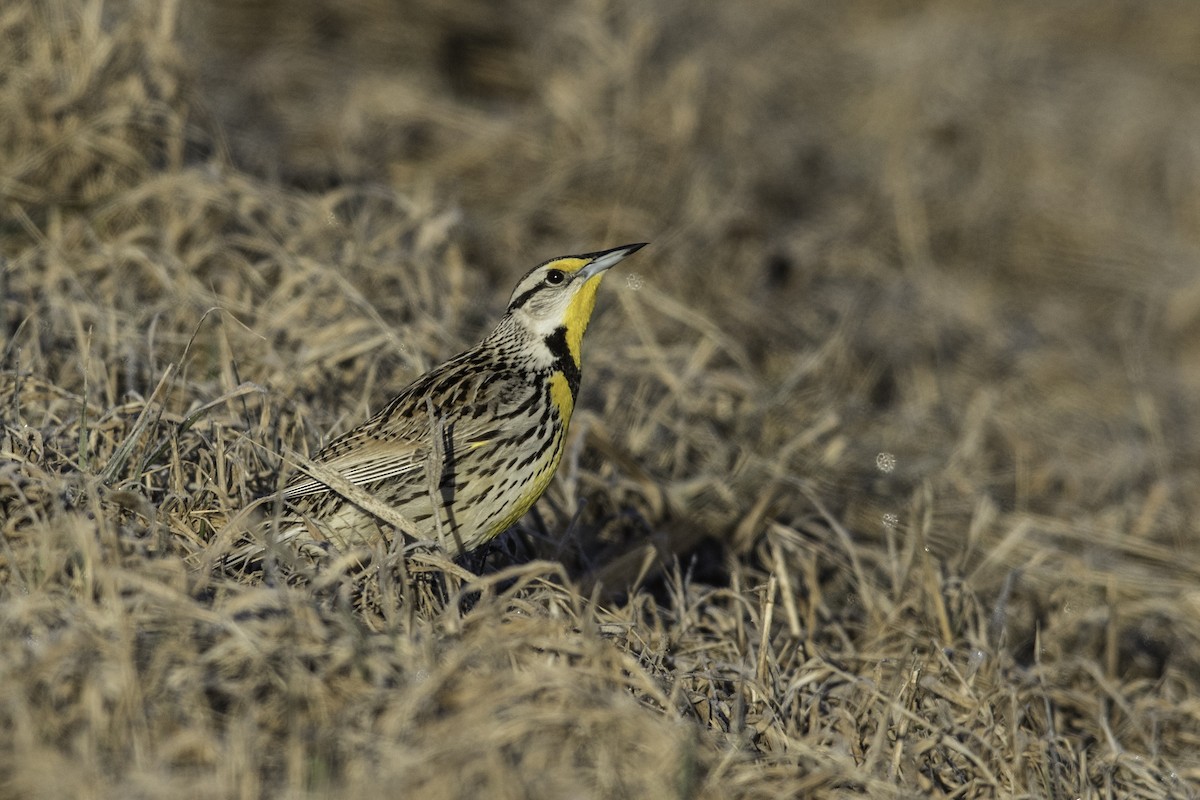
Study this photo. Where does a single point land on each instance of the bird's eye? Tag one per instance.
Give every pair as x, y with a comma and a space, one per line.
555, 276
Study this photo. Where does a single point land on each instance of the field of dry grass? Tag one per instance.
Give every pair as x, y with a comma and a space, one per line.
886, 476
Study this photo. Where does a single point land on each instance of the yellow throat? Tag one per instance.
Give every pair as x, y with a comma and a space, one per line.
579, 313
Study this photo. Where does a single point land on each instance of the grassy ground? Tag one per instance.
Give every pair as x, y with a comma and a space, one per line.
885, 480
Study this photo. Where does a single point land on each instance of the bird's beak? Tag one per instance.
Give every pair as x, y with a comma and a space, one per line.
607, 258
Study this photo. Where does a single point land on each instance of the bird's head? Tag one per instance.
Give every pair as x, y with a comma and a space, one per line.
556, 298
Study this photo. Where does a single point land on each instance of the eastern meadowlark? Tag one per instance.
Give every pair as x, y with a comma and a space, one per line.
465, 450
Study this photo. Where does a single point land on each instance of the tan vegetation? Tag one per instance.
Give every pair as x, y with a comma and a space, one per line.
884, 480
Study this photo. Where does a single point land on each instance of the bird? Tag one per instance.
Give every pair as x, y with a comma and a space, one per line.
465, 450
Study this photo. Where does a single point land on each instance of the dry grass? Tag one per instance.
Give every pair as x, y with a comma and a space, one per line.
960, 233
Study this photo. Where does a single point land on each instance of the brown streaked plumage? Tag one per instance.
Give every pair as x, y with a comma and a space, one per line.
488, 427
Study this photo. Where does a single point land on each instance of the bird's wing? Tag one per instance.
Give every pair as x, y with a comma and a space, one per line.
384, 448
368, 460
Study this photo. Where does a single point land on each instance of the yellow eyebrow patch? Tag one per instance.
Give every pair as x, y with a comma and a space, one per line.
569, 264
